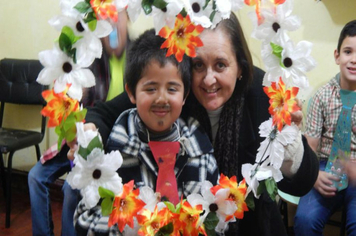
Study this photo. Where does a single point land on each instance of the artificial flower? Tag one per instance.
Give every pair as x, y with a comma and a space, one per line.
257, 5
150, 198
218, 203
274, 143
283, 59
58, 106
198, 14
89, 46
125, 207
237, 5
224, 8
166, 16
274, 20
105, 9
134, 9
67, 7
121, 4
237, 193
151, 222
60, 69
94, 169
182, 39
253, 174
282, 103
188, 222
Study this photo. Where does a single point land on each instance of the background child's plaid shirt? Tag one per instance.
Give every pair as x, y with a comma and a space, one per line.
323, 112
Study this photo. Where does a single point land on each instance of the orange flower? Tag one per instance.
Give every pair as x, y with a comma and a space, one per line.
282, 103
257, 4
182, 39
59, 106
151, 222
188, 221
237, 193
125, 207
105, 9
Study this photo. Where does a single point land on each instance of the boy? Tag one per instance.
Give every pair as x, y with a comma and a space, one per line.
158, 85
324, 132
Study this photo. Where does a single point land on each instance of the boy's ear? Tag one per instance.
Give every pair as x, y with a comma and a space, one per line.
337, 57
131, 96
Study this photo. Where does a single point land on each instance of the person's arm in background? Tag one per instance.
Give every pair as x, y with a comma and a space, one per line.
117, 45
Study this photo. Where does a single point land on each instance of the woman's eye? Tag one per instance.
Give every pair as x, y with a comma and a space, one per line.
220, 65
197, 65
150, 89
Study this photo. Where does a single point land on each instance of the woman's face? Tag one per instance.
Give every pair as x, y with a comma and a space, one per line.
215, 70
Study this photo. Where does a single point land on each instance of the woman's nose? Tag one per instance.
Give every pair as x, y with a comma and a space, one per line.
210, 78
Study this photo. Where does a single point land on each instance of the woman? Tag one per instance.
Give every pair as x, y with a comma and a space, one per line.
228, 100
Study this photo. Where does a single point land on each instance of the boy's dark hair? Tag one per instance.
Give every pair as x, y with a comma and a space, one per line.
349, 30
146, 49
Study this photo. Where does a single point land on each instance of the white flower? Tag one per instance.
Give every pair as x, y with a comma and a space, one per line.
98, 170
166, 16
274, 20
273, 145
255, 173
121, 4
197, 14
67, 7
217, 203
134, 9
294, 62
89, 47
148, 196
60, 69
237, 5
224, 7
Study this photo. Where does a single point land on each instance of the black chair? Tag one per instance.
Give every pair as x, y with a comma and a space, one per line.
18, 86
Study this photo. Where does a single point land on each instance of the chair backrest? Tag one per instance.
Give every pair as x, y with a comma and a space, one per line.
18, 84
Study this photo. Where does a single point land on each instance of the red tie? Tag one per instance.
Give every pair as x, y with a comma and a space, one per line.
165, 155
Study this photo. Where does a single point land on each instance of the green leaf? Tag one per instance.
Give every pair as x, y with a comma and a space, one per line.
170, 206
83, 7
212, 15
66, 40
159, 4
250, 201
147, 6
92, 24
95, 143
107, 202
271, 187
64, 43
165, 230
210, 223
277, 51
261, 188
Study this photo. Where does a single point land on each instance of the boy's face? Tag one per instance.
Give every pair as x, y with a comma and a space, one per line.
346, 59
159, 96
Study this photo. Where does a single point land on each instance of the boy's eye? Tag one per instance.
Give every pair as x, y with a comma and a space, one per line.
172, 89
150, 89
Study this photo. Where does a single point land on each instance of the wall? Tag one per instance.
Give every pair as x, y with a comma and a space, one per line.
24, 32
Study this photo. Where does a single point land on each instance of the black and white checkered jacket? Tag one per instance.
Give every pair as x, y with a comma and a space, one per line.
195, 163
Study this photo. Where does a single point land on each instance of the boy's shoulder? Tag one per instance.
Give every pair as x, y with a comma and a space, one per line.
326, 90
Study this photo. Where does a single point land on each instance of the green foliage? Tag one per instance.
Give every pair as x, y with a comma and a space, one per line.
250, 201
270, 186
107, 202
277, 51
67, 39
210, 223
83, 7
147, 5
165, 230
94, 143
67, 129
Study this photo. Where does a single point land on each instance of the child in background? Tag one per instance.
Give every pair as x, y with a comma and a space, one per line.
325, 135
158, 85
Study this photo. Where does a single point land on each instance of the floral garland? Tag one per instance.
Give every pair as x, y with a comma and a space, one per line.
84, 22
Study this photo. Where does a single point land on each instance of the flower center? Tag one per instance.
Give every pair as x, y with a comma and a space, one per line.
164, 9
79, 27
287, 62
273, 134
67, 67
122, 204
213, 207
232, 197
276, 27
180, 33
196, 7
96, 174
155, 225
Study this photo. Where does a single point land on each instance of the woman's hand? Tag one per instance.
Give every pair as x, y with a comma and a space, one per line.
73, 145
324, 183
